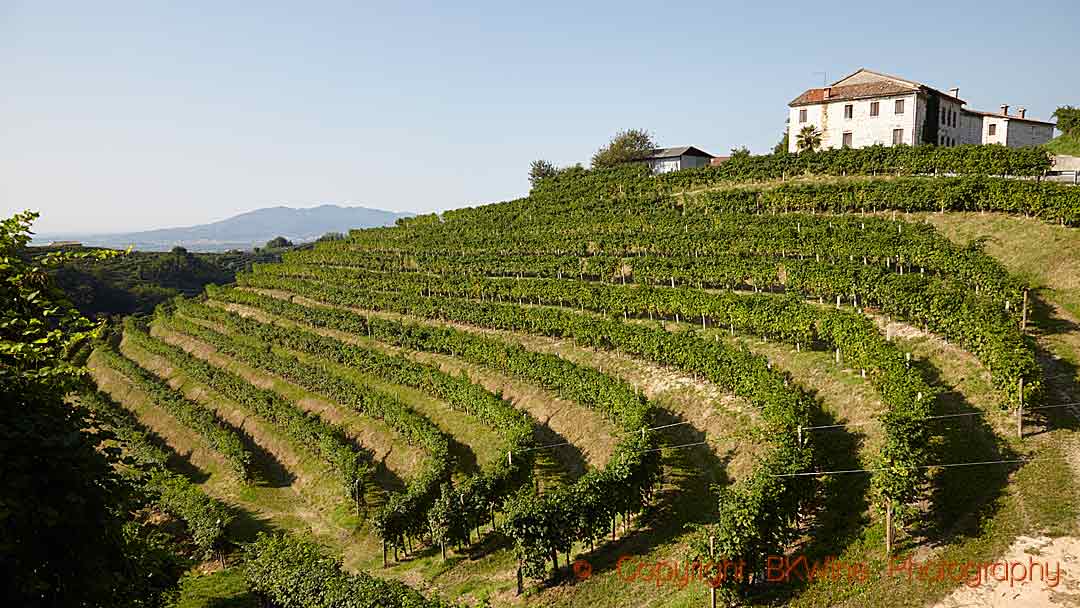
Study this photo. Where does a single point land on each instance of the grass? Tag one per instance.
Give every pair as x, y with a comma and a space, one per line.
1066, 143
222, 589
1045, 255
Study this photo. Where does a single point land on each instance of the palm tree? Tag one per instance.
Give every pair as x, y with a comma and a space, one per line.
809, 138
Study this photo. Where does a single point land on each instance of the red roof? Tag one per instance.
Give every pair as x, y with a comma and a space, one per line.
881, 88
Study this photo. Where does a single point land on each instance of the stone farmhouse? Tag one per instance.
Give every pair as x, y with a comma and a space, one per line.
869, 108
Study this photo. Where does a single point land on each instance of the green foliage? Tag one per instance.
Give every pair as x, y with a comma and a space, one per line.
331, 236
625, 146
278, 242
292, 573
206, 518
781, 146
138, 281
1066, 143
809, 139
221, 437
66, 533
540, 169
1068, 120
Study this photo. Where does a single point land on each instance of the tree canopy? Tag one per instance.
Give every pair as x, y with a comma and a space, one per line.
278, 242
628, 145
541, 169
1068, 120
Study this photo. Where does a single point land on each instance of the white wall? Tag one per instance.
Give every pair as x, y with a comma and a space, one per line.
1001, 135
664, 165
865, 130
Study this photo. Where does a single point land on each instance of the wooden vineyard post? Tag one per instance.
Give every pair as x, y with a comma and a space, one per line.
712, 587
800, 436
1020, 412
888, 527
1023, 315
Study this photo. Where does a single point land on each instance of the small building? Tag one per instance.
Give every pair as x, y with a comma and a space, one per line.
1013, 130
719, 160
664, 160
869, 108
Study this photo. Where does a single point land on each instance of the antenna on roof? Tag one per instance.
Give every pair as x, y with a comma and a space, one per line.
824, 78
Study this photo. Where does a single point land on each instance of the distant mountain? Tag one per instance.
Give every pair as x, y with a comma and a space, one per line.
244, 231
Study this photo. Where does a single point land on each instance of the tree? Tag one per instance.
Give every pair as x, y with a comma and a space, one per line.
278, 242
740, 152
628, 145
66, 535
331, 236
1068, 120
781, 146
809, 138
541, 169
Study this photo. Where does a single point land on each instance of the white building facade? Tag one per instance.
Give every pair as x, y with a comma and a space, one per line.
869, 108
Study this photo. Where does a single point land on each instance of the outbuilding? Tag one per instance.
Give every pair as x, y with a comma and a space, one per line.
664, 160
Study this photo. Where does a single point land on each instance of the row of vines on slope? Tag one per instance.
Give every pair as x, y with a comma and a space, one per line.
762, 510
284, 569
351, 467
460, 508
222, 438
949, 310
405, 514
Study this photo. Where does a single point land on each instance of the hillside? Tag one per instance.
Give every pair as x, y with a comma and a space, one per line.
1066, 143
243, 231
595, 394
137, 281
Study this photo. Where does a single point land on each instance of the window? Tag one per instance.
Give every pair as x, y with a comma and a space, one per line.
954, 115
898, 134
849, 111
802, 115
898, 107
847, 139
873, 108
993, 129
943, 119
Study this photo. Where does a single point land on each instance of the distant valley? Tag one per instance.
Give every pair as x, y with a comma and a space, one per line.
244, 231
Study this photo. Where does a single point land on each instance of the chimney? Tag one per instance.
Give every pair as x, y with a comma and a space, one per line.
1005, 109
955, 92
828, 92
1023, 112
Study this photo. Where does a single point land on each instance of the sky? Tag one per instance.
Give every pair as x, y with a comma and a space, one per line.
118, 116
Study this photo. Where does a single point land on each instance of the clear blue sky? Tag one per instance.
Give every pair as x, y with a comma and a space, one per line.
128, 115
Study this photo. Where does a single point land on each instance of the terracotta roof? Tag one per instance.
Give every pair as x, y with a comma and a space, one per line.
881, 88
1009, 116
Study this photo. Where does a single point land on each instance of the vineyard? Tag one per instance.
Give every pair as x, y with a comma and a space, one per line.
620, 390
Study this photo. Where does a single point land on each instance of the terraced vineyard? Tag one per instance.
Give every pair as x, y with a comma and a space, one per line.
624, 390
